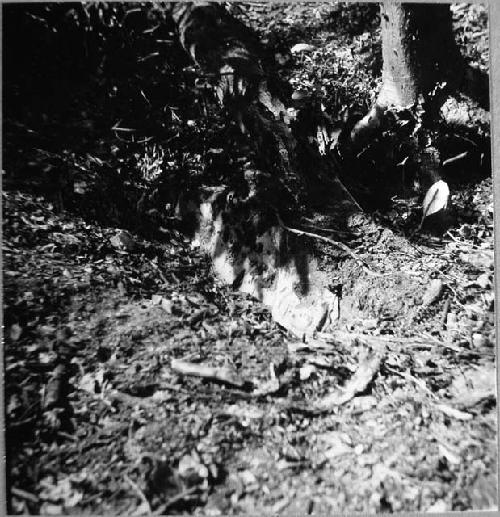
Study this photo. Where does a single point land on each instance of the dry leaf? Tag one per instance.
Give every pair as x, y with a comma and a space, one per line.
306, 371
435, 199
15, 332
439, 506
451, 457
302, 47
337, 444
191, 470
433, 292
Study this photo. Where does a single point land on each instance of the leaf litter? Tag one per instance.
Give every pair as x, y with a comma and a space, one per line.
126, 398
137, 383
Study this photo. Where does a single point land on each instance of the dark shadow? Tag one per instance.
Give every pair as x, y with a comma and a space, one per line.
476, 85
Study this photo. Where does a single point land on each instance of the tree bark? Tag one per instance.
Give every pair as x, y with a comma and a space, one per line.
226, 48
419, 52
399, 74
231, 55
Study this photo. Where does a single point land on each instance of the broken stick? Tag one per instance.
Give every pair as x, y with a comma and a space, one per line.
222, 375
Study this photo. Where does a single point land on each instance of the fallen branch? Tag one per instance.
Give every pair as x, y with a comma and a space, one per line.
222, 375
454, 413
129, 400
407, 342
55, 388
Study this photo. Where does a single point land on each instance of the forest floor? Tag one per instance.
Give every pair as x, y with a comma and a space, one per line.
136, 383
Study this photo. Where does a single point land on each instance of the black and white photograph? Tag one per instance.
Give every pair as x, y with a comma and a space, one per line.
248, 258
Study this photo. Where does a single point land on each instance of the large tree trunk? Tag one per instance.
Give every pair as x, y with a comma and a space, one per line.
399, 71
231, 56
245, 233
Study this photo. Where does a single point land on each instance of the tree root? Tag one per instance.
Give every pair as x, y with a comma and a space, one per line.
337, 244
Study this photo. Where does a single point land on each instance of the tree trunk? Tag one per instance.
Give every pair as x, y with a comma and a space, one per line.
249, 244
419, 52
232, 56
399, 74
226, 48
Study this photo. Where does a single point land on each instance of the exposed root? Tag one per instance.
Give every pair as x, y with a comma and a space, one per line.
337, 244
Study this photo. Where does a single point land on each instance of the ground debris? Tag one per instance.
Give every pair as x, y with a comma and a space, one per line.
137, 384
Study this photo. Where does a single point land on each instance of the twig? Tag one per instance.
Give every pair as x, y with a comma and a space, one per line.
175, 499
409, 377
455, 158
222, 375
441, 343
444, 314
463, 244
23, 494
329, 230
337, 244
19, 423
139, 492
68, 436
349, 195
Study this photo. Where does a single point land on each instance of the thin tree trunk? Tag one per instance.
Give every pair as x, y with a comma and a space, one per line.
419, 52
399, 74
